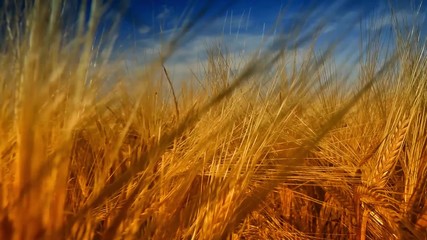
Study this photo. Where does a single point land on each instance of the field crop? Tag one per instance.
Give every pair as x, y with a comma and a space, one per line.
286, 148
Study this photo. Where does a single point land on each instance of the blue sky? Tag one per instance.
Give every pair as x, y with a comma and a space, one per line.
243, 25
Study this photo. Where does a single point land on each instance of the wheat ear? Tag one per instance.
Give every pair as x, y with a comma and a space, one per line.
387, 161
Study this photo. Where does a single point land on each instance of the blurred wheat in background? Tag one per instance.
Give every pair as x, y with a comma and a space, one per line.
286, 144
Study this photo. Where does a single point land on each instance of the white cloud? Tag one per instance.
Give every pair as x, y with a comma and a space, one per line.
192, 54
189, 57
144, 29
165, 13
402, 16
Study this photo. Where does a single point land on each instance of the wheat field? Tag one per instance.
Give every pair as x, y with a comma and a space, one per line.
286, 149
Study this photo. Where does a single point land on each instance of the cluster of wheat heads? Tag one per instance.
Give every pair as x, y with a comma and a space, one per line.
366, 178
283, 150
